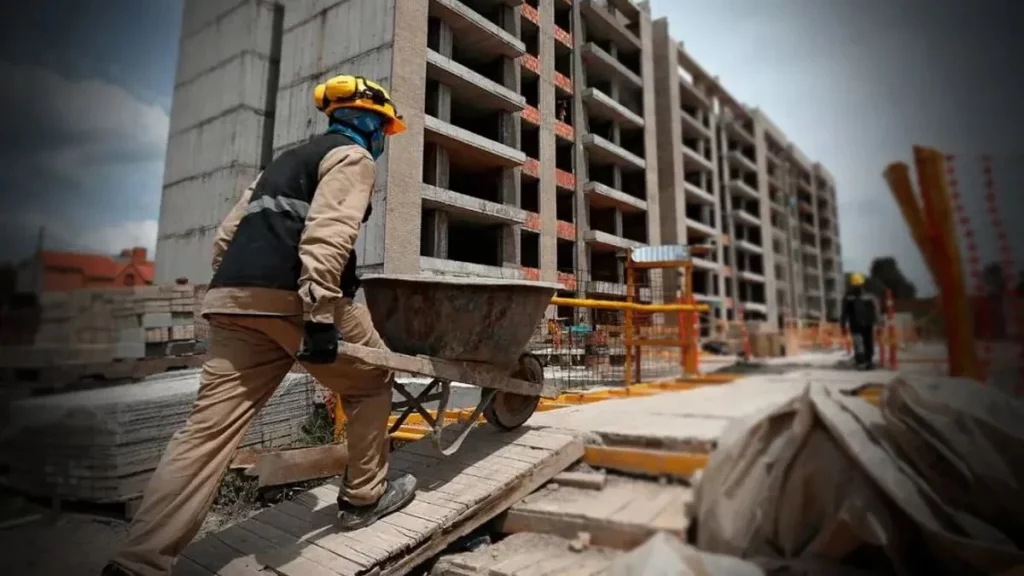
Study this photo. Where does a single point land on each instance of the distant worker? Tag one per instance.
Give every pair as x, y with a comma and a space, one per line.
859, 315
284, 276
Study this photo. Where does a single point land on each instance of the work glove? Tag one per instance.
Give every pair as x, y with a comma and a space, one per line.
319, 343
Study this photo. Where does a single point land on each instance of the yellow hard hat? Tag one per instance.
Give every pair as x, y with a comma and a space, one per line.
348, 91
857, 279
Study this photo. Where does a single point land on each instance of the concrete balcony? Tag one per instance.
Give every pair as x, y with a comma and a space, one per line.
738, 159
705, 264
602, 106
474, 33
469, 85
692, 126
756, 307
603, 24
604, 152
700, 229
466, 148
737, 129
603, 196
604, 65
744, 189
444, 267
605, 242
749, 276
696, 193
750, 247
692, 158
691, 95
744, 217
468, 208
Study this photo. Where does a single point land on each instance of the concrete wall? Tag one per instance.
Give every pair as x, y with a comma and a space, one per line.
324, 39
221, 121
243, 94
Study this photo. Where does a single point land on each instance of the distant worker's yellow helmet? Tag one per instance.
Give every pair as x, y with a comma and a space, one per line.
857, 279
348, 91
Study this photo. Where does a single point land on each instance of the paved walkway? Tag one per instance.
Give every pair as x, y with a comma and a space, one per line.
693, 420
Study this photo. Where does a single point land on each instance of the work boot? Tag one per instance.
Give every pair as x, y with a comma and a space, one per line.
397, 493
112, 569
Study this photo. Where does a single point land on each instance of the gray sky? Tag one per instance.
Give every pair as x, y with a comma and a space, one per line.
854, 83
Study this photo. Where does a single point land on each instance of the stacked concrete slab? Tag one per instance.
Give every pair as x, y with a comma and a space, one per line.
102, 326
103, 445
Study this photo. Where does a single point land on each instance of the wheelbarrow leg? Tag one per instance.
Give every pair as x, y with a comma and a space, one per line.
462, 429
416, 403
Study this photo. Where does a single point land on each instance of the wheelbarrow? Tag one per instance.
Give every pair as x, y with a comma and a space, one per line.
468, 330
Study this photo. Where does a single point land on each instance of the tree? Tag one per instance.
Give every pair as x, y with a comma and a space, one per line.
885, 275
993, 279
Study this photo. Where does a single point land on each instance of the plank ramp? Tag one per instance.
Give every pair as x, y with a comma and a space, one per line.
488, 474
624, 515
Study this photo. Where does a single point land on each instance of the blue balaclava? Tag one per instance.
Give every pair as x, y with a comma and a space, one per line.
364, 127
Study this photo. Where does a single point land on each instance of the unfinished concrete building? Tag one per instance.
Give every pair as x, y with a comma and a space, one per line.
729, 177
545, 138
530, 149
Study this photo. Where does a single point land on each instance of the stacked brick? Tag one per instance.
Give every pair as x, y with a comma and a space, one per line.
101, 326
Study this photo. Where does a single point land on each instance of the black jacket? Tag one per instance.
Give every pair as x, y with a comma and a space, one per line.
859, 311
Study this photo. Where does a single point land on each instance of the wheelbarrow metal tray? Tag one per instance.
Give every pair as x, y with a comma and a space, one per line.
482, 320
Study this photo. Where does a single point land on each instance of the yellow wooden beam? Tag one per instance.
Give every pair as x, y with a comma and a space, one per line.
645, 461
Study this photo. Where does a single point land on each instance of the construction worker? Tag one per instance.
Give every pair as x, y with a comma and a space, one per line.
282, 288
859, 315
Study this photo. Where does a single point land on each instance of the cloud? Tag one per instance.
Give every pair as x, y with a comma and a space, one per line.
114, 238
82, 158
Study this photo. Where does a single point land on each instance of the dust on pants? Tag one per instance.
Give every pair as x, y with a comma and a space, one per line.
249, 356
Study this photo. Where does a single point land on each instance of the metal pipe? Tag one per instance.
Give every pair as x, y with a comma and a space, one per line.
631, 306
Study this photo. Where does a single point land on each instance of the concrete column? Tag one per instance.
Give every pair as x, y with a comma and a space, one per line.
437, 234
652, 192
582, 121
547, 188
511, 135
404, 176
730, 226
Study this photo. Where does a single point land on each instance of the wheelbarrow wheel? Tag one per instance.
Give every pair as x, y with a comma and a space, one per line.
508, 410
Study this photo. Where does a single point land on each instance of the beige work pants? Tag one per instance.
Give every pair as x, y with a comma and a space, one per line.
248, 357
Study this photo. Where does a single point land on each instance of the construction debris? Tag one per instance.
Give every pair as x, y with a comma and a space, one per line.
585, 480
102, 445
929, 482
522, 554
665, 555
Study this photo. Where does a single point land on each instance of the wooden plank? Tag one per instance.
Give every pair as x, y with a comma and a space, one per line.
299, 465
585, 480
622, 516
456, 495
474, 373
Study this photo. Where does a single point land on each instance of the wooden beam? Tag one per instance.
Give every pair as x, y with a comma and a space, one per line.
644, 461
299, 465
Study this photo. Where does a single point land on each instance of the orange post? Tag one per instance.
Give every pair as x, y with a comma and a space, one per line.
627, 326
963, 358
880, 343
890, 320
683, 337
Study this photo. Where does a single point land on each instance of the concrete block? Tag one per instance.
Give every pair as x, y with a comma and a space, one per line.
240, 82
129, 350
234, 138
200, 13
185, 256
204, 201
156, 320
296, 120
247, 29
131, 335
